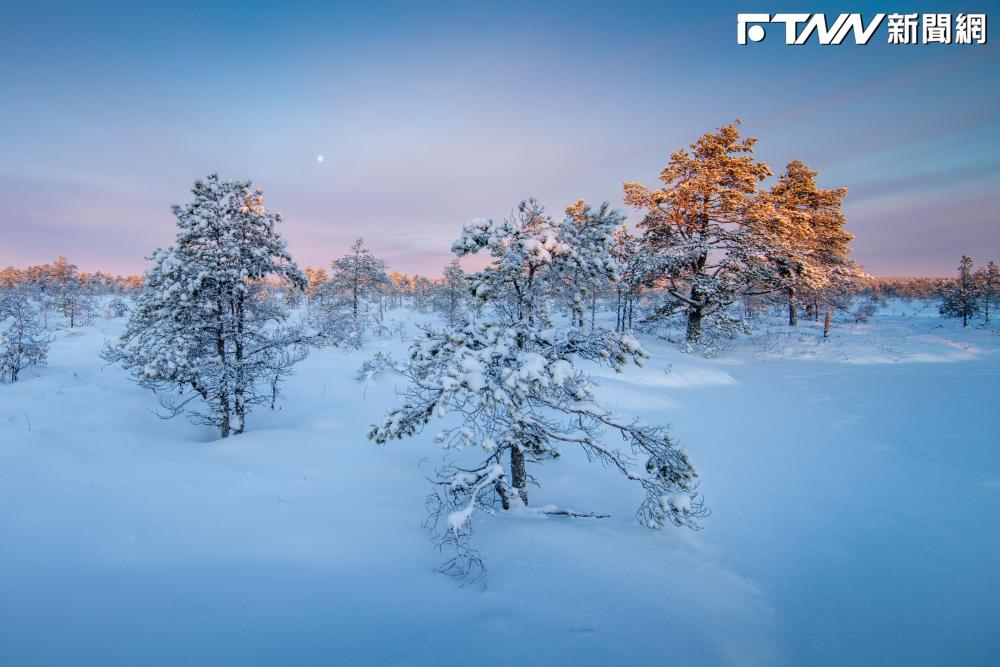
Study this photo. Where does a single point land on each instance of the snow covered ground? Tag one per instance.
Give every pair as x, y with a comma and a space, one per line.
854, 485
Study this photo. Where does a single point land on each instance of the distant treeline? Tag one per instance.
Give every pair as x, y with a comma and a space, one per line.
409, 287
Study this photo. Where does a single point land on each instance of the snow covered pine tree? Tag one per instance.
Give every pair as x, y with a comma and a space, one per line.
203, 326
988, 279
451, 293
343, 303
961, 297
586, 228
23, 341
637, 267
703, 226
807, 242
317, 278
508, 380
68, 294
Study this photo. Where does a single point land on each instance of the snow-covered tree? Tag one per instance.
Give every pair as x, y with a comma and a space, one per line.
398, 288
10, 277
509, 382
23, 340
989, 280
76, 303
67, 291
637, 267
359, 275
292, 297
806, 240
704, 224
117, 307
316, 277
961, 298
343, 304
205, 332
590, 232
451, 294
421, 292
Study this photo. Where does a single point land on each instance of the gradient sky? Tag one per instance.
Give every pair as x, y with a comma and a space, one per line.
429, 114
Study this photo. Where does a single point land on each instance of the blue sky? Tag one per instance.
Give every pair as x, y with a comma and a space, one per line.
429, 114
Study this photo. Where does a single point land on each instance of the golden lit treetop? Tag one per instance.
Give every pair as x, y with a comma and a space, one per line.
711, 182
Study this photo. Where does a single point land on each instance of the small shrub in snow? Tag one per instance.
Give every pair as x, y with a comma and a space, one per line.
865, 310
381, 362
117, 307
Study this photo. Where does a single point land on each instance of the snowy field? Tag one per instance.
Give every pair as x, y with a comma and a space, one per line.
854, 488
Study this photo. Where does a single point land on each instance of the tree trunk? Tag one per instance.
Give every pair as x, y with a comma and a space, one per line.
518, 475
355, 288
504, 497
220, 347
618, 312
694, 325
224, 423
240, 407
241, 413
826, 325
696, 312
793, 314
